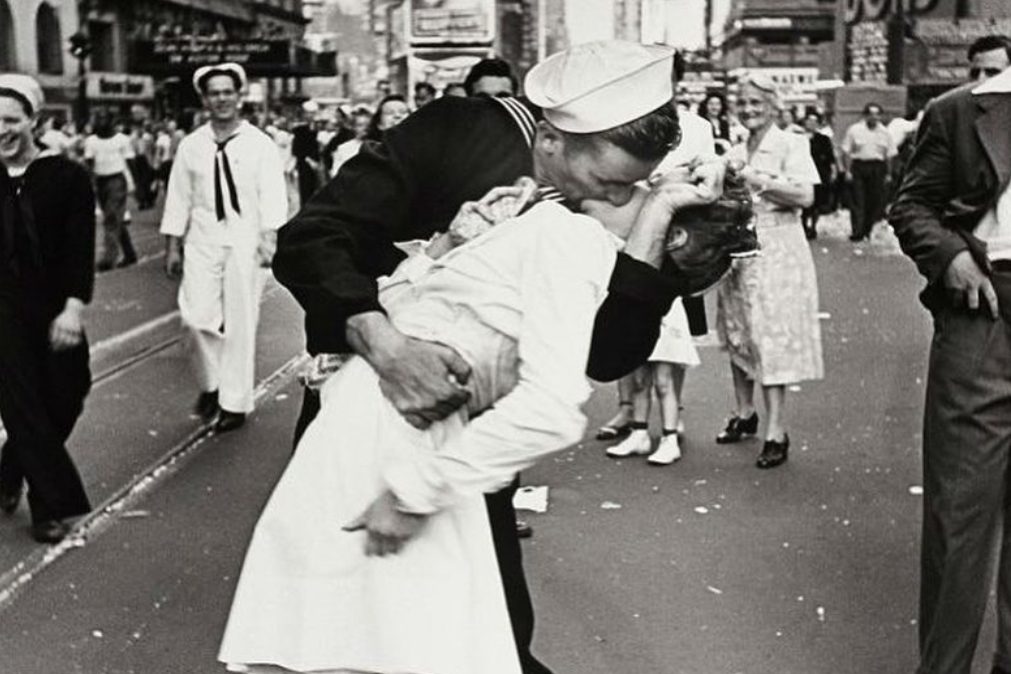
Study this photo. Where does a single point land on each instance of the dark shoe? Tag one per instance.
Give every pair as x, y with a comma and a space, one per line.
207, 405
229, 421
523, 529
104, 265
737, 428
774, 453
127, 261
50, 531
10, 498
811, 233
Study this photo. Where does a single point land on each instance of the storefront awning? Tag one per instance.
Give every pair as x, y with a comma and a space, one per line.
233, 9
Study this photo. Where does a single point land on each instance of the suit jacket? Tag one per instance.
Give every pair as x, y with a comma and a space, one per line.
960, 165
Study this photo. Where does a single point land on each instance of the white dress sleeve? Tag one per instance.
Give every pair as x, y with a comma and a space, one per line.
564, 277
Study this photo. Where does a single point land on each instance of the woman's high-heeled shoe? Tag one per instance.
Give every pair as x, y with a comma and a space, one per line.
774, 453
737, 428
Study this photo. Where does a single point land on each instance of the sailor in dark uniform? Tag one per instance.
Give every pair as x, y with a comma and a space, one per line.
47, 247
452, 151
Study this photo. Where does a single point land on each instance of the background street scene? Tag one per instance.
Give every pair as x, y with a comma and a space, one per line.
705, 566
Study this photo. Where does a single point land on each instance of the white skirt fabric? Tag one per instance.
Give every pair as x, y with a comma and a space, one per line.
309, 600
675, 343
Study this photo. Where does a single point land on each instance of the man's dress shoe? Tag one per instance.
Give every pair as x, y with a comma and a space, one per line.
9, 499
229, 421
207, 405
50, 531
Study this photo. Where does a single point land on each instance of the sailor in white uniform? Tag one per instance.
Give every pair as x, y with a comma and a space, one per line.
225, 201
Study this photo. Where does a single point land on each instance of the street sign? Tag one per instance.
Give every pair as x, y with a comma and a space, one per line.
471, 21
175, 55
101, 86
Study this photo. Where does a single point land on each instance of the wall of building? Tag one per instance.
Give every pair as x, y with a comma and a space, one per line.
24, 15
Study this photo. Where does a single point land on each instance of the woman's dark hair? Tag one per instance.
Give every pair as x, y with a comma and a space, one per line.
374, 132
721, 125
19, 98
648, 138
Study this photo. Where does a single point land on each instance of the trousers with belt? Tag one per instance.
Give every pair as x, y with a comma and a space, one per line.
502, 518
41, 396
967, 501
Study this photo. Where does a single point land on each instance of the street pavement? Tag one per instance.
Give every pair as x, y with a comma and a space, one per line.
709, 566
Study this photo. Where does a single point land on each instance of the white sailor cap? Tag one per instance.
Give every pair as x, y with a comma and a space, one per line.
24, 89
597, 86
233, 70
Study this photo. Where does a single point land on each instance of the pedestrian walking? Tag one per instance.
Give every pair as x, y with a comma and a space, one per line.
867, 149
767, 308
106, 154
226, 199
952, 216
305, 150
361, 120
521, 324
713, 109
424, 93
823, 156
451, 151
47, 258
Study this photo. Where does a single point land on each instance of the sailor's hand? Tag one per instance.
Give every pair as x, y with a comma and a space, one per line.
266, 247
387, 528
425, 381
67, 330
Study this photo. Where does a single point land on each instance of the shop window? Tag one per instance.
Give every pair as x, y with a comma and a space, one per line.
7, 59
48, 40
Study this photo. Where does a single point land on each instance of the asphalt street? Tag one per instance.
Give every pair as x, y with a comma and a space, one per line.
709, 566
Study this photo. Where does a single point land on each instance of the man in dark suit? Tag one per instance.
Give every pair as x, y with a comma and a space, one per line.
952, 215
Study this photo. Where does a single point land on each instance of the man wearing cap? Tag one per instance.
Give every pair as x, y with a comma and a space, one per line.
224, 202
952, 215
452, 151
47, 247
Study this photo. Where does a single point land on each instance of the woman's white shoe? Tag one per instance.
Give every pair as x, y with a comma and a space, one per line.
667, 452
636, 444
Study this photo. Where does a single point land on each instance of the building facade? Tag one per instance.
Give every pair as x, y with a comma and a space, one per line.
791, 41
33, 38
139, 55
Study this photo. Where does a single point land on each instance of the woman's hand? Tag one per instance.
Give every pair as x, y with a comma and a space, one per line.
67, 329
498, 205
387, 528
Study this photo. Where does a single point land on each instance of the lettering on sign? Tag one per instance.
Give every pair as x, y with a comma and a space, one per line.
878, 10
118, 86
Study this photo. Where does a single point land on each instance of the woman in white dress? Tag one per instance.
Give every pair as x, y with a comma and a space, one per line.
311, 598
767, 309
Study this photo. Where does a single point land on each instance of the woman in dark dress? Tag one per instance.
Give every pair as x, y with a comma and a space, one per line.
823, 154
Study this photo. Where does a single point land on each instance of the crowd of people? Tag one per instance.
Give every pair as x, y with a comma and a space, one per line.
437, 377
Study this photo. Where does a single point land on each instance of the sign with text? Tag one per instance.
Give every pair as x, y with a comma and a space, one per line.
452, 21
118, 87
174, 55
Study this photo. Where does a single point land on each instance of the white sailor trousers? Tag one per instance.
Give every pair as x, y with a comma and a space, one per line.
219, 302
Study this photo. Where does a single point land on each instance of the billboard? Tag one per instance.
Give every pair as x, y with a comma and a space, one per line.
449, 21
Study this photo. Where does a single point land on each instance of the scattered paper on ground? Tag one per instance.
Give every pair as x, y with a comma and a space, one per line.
531, 498
610, 505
